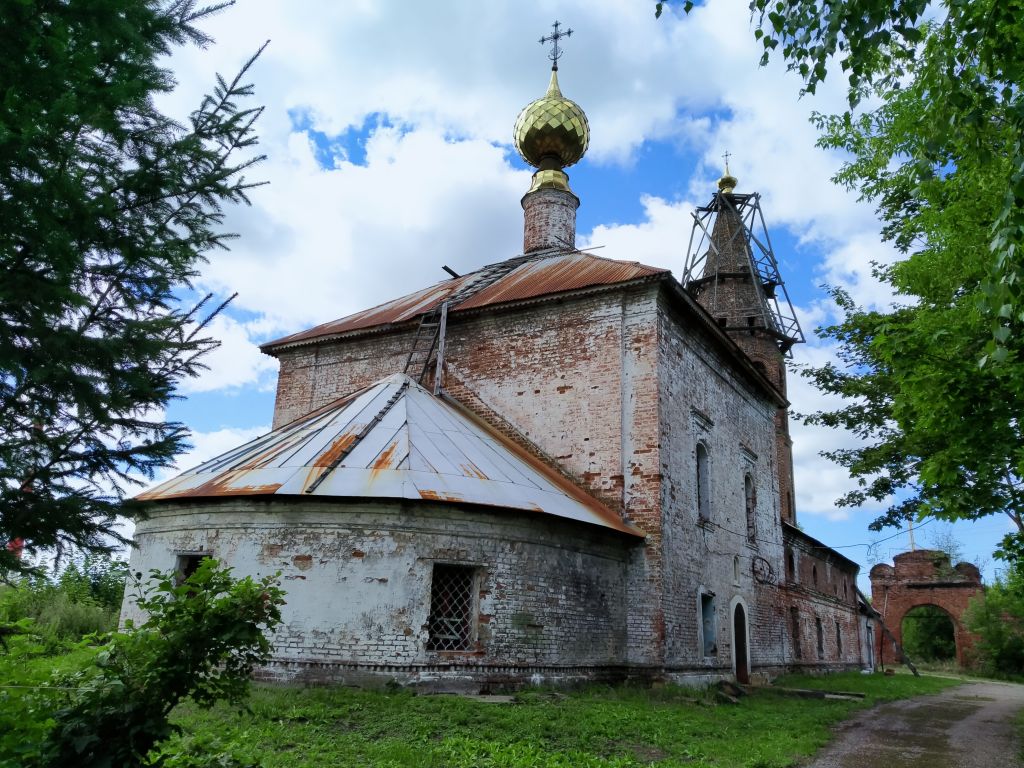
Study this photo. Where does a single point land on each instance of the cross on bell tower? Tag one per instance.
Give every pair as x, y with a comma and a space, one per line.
556, 52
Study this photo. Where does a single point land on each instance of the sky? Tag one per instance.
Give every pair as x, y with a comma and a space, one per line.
387, 129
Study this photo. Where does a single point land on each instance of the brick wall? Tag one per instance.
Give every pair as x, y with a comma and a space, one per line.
702, 401
820, 588
549, 220
550, 594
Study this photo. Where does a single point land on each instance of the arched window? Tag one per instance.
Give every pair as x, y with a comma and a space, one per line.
703, 483
814, 575
821, 638
750, 502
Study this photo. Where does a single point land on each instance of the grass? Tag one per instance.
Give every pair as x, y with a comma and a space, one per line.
598, 727
609, 727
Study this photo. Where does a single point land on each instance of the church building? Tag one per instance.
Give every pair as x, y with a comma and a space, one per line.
557, 468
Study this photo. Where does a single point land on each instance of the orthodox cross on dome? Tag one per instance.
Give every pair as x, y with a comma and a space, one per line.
556, 52
726, 156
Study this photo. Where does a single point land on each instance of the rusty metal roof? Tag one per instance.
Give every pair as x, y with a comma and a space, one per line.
518, 279
393, 440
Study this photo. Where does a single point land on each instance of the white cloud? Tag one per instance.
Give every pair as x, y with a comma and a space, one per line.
237, 362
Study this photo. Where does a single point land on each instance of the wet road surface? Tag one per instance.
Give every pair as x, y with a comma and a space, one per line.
971, 726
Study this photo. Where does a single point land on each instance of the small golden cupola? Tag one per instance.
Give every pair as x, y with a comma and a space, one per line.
551, 133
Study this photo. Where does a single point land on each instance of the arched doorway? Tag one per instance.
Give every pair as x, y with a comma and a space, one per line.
928, 633
739, 644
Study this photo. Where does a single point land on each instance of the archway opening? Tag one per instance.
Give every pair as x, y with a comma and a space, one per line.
928, 634
739, 639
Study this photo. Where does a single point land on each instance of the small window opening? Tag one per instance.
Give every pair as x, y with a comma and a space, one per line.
794, 620
750, 502
790, 566
707, 616
722, 321
452, 608
751, 321
845, 592
703, 484
814, 575
821, 638
839, 641
736, 569
187, 565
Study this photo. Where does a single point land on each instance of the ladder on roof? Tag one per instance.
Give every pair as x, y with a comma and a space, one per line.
429, 337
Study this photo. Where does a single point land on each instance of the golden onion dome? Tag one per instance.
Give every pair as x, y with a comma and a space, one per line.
727, 183
552, 127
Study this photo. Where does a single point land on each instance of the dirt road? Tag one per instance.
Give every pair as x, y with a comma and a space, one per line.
971, 726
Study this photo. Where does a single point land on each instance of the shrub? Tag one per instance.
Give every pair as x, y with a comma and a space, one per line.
998, 618
202, 640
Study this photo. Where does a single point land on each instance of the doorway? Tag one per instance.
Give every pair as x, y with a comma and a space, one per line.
739, 643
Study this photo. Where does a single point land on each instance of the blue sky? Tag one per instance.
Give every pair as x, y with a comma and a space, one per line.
388, 134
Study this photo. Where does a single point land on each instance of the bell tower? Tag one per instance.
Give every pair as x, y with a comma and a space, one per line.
732, 272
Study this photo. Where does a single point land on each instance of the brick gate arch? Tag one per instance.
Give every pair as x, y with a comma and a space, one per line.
924, 577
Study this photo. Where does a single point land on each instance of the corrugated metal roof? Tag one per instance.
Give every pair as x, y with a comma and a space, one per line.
513, 280
393, 440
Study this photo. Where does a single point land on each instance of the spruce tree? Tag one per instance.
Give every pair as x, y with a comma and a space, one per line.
107, 210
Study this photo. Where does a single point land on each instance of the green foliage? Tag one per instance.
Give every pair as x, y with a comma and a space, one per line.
998, 618
85, 598
927, 634
27, 702
202, 640
941, 434
107, 208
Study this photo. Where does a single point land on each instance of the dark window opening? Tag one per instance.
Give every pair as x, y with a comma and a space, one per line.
703, 483
750, 502
821, 638
814, 575
707, 616
790, 566
187, 565
839, 641
794, 620
452, 608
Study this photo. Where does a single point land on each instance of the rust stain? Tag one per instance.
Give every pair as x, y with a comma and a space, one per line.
439, 496
384, 461
303, 562
338, 447
358, 553
218, 485
472, 470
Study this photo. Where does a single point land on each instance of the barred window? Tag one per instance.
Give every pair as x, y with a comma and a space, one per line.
452, 608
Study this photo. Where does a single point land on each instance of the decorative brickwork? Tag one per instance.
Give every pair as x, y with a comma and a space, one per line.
924, 577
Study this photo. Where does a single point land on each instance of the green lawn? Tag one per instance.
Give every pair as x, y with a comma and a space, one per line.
295, 728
